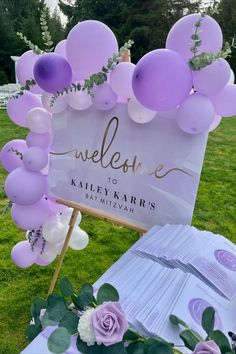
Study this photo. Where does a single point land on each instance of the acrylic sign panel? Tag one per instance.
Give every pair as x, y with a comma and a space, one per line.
146, 174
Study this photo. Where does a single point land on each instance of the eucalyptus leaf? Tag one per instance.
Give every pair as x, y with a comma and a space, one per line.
46, 321
107, 293
190, 341
136, 348
56, 307
66, 287
208, 320
117, 348
85, 296
130, 335
160, 348
32, 331
59, 341
81, 346
70, 322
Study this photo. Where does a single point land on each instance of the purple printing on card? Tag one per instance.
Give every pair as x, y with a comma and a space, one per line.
196, 308
226, 258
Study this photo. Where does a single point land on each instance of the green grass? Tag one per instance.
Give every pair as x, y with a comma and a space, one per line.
215, 210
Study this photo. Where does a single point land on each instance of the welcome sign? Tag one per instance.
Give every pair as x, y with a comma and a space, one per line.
145, 174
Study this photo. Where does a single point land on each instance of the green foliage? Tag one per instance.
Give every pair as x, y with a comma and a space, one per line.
189, 339
107, 293
208, 320
29, 44
59, 340
70, 322
66, 287
46, 35
222, 341
85, 296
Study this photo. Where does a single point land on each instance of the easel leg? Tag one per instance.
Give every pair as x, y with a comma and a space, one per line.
63, 252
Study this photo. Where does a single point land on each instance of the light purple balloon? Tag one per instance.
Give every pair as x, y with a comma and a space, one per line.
121, 79
31, 217
179, 37
61, 48
89, 46
52, 72
162, 80
41, 263
18, 108
39, 120
8, 157
196, 114
212, 78
104, 97
41, 140
215, 123
225, 101
35, 158
25, 70
22, 254
54, 206
25, 187
59, 104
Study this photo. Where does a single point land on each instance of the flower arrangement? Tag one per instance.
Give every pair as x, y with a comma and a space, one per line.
100, 325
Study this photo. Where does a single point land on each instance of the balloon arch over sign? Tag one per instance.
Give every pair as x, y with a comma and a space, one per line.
189, 81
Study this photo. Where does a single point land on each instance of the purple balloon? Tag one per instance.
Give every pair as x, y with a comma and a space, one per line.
8, 156
162, 80
41, 140
22, 254
35, 158
25, 70
179, 37
52, 72
121, 79
212, 78
54, 206
31, 217
61, 48
89, 46
41, 263
104, 97
18, 108
196, 114
25, 187
215, 123
225, 101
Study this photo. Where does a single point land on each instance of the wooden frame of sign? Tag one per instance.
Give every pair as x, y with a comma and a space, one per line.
90, 211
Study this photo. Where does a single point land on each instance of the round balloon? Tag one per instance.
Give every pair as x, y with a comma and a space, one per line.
225, 101
66, 216
52, 72
212, 78
41, 140
39, 120
79, 100
35, 158
11, 154
162, 80
215, 123
61, 48
104, 98
89, 45
53, 230
18, 108
25, 187
31, 217
25, 70
179, 37
196, 114
22, 254
57, 106
121, 79
138, 113
79, 239
48, 255
40, 262
54, 206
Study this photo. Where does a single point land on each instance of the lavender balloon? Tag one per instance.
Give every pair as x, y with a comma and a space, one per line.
196, 114
25, 69
35, 158
179, 37
104, 97
39, 120
212, 78
89, 46
40, 262
41, 140
58, 106
215, 123
225, 101
162, 80
121, 79
55, 207
22, 254
25, 187
9, 154
31, 217
52, 72
61, 48
18, 108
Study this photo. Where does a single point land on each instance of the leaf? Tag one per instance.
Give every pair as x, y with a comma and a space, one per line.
66, 287
56, 307
136, 348
32, 331
85, 296
221, 340
189, 339
160, 348
70, 322
130, 335
177, 321
107, 293
81, 346
208, 320
46, 321
36, 307
59, 341
117, 348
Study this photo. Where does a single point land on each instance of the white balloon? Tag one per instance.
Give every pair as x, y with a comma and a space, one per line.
48, 255
66, 216
79, 239
232, 78
39, 120
79, 100
138, 113
58, 106
57, 248
53, 230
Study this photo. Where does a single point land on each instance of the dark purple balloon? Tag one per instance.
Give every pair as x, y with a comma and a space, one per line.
52, 72
41, 140
8, 156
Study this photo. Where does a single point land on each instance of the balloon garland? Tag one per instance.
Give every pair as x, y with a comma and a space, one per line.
189, 81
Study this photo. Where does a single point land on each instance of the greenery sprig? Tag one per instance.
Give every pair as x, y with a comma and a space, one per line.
26, 87
29, 44
98, 78
46, 35
196, 36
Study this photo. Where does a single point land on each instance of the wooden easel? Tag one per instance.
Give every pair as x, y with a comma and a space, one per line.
90, 211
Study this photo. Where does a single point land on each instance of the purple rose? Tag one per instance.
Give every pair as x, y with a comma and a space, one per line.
109, 323
209, 347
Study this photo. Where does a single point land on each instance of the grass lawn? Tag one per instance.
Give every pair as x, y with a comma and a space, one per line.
215, 210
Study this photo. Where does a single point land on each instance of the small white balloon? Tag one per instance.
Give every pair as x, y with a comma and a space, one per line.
79, 239
138, 113
53, 230
39, 120
58, 106
57, 248
79, 100
66, 216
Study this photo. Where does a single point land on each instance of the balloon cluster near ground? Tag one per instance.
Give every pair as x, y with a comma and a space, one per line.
162, 84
